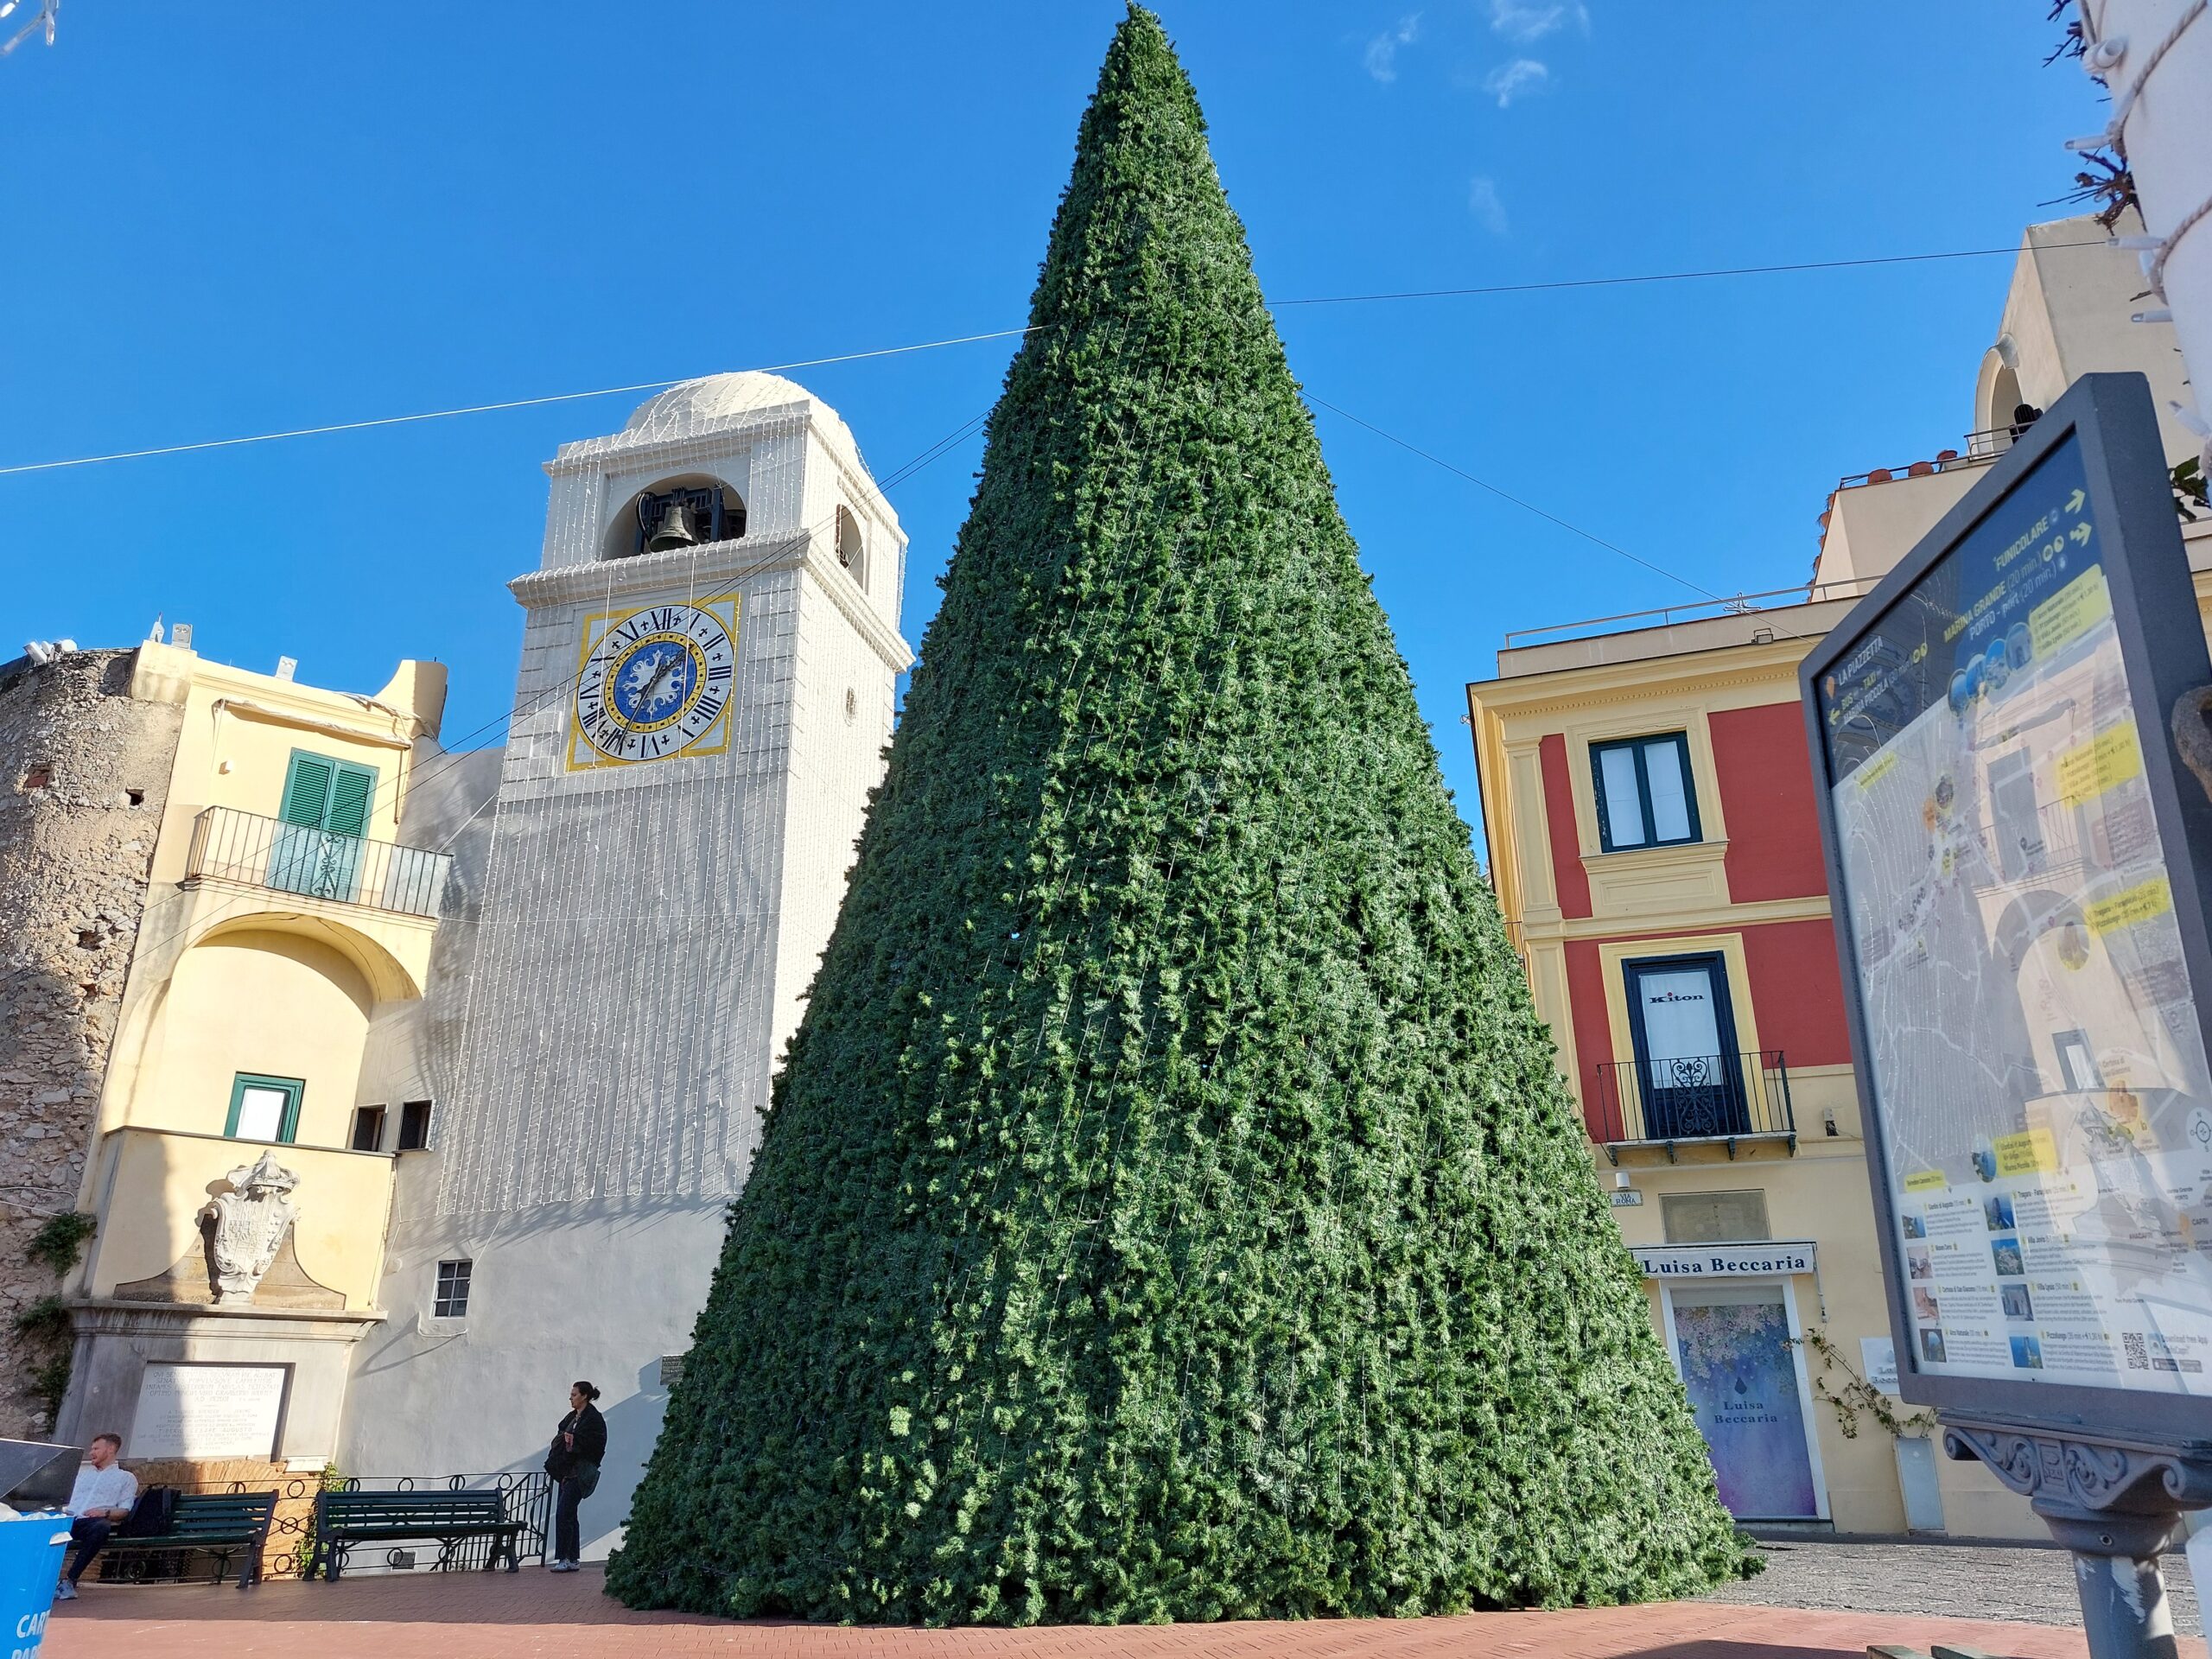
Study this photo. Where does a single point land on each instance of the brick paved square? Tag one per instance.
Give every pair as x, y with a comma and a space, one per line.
536, 1616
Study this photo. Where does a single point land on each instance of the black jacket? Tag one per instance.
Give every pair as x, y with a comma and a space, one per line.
589, 1430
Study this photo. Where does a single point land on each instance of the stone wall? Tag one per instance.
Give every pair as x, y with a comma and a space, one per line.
84, 772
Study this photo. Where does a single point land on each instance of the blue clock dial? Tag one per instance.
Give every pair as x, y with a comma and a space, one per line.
655, 683
654, 680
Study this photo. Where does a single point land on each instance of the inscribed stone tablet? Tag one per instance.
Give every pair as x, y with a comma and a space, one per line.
208, 1411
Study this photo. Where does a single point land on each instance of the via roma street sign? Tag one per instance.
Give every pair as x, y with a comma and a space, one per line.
2019, 863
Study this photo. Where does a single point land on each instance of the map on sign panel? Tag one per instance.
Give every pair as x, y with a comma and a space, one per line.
2032, 1031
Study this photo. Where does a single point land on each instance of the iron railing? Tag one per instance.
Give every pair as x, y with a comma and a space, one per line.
291, 1528
1725, 1098
1982, 447
234, 845
1693, 611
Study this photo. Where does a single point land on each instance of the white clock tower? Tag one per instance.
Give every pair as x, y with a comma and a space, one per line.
706, 693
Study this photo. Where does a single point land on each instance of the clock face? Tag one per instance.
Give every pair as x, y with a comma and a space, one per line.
654, 683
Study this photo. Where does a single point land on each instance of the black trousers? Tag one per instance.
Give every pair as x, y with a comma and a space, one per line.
566, 1544
89, 1533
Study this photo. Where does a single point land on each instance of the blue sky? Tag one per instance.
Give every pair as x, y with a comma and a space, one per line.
231, 219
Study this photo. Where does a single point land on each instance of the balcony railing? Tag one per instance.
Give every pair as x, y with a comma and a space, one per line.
1722, 1098
1982, 447
1693, 611
234, 845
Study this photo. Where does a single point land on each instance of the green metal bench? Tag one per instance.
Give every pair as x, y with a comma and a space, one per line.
448, 1519
223, 1524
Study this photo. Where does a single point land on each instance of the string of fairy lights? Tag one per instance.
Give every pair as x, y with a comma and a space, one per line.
507, 718
517, 1113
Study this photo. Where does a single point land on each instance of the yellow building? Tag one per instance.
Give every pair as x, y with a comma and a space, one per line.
216, 1305
1649, 808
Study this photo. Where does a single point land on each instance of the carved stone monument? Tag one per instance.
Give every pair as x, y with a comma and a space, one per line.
245, 1227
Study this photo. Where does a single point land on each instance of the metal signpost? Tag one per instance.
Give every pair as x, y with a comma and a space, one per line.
2020, 867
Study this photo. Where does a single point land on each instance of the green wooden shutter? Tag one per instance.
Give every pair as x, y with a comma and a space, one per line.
321, 793
307, 790
351, 792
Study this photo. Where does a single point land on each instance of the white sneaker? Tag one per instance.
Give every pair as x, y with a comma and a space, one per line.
67, 1592
563, 1567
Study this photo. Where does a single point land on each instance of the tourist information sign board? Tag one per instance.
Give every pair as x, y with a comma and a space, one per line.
2019, 865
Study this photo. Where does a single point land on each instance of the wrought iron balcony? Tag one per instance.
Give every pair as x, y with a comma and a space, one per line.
233, 846
1719, 1099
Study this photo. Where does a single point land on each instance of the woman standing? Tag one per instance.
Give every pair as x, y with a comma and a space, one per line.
573, 1461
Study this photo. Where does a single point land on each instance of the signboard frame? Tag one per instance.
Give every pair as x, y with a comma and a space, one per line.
2163, 649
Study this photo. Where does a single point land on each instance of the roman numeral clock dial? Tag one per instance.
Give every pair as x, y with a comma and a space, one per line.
654, 683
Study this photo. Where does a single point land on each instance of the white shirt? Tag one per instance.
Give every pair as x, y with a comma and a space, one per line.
112, 1488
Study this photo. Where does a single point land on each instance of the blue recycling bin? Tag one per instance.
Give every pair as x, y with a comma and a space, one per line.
31, 1549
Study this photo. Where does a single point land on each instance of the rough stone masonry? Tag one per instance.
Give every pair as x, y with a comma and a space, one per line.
84, 772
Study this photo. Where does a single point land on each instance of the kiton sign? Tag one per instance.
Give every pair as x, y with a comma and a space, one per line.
1724, 1260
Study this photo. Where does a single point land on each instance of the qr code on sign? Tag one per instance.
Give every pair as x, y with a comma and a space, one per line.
2131, 1343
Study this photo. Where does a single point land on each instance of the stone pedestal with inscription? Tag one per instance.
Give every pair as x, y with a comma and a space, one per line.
181, 1381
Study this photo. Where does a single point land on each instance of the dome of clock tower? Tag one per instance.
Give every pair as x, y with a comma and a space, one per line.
716, 400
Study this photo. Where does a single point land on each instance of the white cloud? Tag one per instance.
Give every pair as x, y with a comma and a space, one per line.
1524, 21
1515, 79
1383, 50
1482, 202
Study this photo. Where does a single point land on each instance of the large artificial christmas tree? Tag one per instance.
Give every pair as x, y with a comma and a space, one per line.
1169, 1208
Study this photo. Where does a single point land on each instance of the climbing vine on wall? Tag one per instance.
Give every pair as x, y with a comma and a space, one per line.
1852, 1396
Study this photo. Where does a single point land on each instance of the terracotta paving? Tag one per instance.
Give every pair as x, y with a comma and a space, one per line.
535, 1615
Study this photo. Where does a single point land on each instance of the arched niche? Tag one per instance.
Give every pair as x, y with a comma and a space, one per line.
1997, 393
851, 546
253, 999
626, 538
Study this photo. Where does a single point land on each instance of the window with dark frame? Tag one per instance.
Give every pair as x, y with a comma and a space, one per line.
1646, 796
414, 1125
368, 1128
451, 1301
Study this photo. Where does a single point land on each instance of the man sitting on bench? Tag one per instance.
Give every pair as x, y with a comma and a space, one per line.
100, 1502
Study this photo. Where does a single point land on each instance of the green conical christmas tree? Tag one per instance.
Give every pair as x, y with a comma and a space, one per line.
1170, 1208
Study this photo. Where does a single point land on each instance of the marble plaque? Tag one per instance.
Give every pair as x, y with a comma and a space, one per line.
208, 1411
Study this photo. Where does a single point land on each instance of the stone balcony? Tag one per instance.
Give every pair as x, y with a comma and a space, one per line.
151, 1185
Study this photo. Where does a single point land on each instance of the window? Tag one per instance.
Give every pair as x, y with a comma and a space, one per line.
451, 1301
368, 1129
1714, 1218
1644, 795
849, 546
1689, 1079
316, 848
264, 1109
415, 1125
